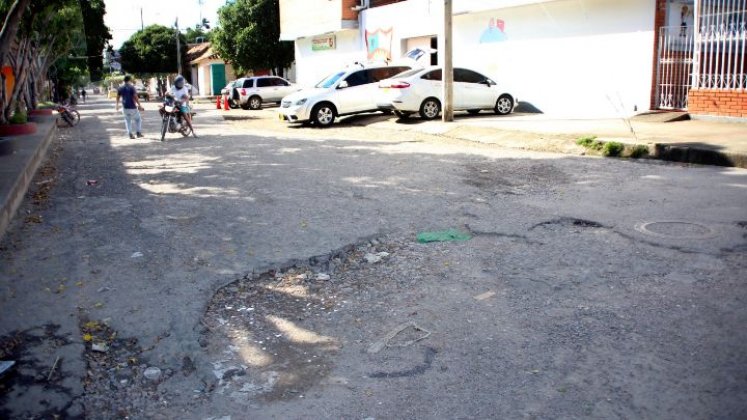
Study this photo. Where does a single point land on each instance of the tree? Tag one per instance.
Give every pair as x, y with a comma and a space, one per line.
46, 33
153, 51
192, 34
13, 13
248, 35
97, 35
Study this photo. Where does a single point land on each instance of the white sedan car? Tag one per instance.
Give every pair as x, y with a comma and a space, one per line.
420, 91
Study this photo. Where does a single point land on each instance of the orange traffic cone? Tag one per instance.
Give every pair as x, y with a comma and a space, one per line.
225, 103
217, 103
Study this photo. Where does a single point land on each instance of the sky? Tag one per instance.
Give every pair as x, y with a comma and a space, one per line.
123, 16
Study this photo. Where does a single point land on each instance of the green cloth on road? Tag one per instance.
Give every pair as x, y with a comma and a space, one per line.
443, 236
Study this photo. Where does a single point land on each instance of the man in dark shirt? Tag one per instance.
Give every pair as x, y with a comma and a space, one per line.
131, 105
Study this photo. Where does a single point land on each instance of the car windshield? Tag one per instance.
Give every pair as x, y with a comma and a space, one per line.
330, 80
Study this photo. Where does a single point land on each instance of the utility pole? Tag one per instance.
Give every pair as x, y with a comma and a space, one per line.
142, 25
178, 49
447, 114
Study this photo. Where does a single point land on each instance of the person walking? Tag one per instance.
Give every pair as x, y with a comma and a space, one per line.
131, 105
83, 94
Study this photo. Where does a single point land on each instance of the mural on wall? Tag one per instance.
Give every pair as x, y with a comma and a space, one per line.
496, 32
379, 44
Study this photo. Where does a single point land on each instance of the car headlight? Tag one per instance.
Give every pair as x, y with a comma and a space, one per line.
302, 101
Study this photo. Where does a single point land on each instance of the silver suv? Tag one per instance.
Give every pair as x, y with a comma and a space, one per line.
252, 92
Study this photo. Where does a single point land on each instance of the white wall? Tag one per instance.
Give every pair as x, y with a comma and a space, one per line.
587, 58
309, 17
313, 66
410, 19
590, 61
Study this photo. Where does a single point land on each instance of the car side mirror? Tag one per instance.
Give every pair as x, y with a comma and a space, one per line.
344, 84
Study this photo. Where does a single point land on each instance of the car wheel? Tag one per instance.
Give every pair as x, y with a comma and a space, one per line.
232, 104
473, 111
255, 102
430, 108
504, 105
323, 115
403, 115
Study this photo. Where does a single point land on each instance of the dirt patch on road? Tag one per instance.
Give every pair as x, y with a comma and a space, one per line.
500, 325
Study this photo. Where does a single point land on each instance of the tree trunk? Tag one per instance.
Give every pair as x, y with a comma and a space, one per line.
21, 72
7, 35
10, 26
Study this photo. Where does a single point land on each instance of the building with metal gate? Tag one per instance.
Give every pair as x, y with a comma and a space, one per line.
570, 58
702, 55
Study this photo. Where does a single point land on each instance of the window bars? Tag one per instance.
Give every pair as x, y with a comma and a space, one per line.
720, 45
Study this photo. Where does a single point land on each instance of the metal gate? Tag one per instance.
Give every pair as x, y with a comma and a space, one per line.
721, 45
710, 54
675, 66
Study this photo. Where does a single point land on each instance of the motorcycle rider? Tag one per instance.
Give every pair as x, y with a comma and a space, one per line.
180, 92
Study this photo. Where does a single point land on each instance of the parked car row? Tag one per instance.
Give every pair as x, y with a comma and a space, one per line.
401, 89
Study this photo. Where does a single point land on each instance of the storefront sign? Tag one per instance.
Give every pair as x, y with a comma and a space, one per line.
323, 43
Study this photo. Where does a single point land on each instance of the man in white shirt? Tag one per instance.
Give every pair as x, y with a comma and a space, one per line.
180, 92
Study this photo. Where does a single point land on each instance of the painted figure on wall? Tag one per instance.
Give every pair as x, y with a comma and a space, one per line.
680, 14
685, 14
379, 44
496, 32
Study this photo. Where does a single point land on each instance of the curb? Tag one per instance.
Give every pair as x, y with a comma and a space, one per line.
29, 153
566, 144
697, 155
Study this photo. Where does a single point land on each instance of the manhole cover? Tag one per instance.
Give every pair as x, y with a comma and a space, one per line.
676, 229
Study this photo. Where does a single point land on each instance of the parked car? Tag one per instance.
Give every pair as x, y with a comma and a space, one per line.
142, 92
344, 92
252, 92
420, 91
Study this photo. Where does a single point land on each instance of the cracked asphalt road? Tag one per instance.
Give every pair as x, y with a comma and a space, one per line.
566, 303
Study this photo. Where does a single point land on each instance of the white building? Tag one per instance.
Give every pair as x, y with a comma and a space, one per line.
581, 58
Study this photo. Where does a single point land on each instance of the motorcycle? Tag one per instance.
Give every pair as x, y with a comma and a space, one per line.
172, 120
68, 115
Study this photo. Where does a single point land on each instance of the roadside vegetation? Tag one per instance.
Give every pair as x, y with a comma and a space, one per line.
612, 148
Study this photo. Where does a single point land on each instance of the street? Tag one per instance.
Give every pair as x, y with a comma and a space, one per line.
265, 271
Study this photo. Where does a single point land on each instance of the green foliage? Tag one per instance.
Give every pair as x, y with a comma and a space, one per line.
97, 35
612, 148
19, 117
153, 50
639, 151
589, 142
56, 29
248, 36
197, 32
115, 79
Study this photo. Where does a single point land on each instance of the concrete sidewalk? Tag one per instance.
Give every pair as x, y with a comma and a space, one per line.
692, 141
17, 169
